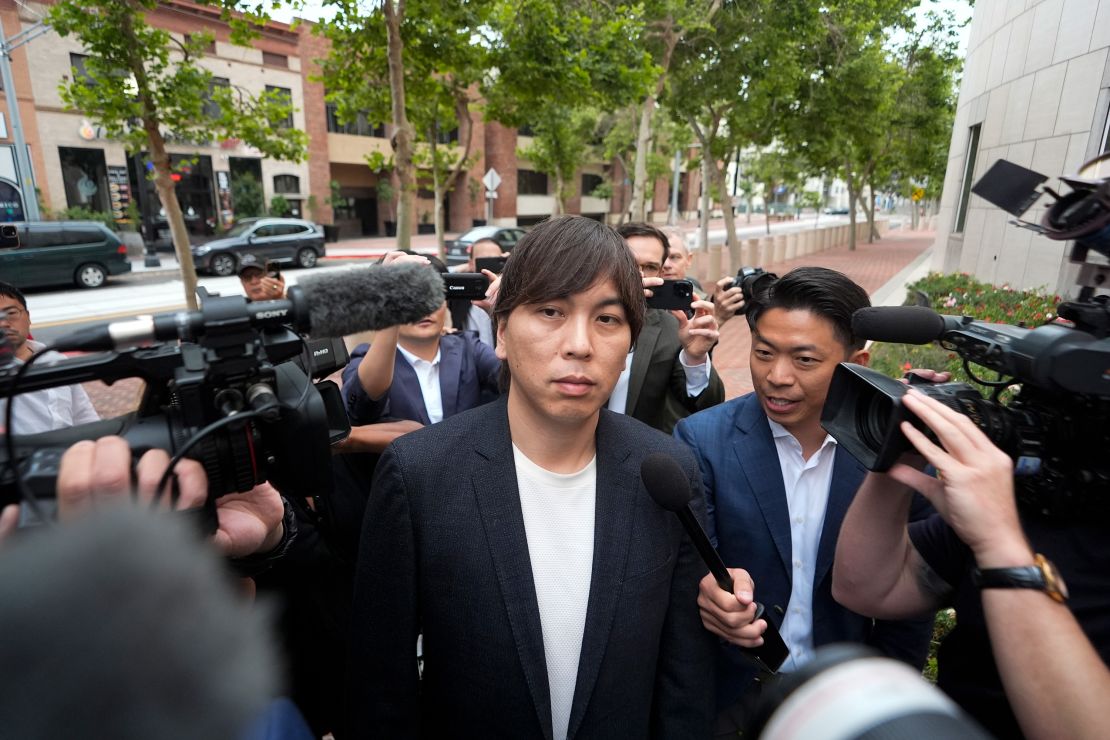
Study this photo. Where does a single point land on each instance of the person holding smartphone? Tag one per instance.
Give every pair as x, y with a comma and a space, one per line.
262, 281
669, 374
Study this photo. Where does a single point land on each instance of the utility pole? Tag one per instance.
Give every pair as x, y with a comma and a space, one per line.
672, 215
22, 159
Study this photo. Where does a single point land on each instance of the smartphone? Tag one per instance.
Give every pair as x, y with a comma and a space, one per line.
273, 270
672, 295
470, 285
493, 264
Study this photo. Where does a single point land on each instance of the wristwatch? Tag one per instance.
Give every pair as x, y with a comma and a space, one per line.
1041, 576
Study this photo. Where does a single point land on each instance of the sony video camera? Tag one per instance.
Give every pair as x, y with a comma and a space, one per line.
1057, 427
233, 383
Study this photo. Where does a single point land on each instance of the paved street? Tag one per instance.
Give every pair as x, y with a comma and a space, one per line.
881, 268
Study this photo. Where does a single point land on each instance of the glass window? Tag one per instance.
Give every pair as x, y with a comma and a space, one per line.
361, 126
287, 184
969, 175
590, 183
287, 229
211, 108
45, 235
531, 183
271, 59
288, 95
85, 177
77, 62
79, 235
268, 230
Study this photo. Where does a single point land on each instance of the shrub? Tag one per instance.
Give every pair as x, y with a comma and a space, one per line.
81, 213
962, 295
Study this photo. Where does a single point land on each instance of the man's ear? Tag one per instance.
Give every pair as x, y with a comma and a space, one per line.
499, 346
860, 357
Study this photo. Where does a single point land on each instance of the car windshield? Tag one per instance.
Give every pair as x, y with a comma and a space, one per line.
241, 228
482, 232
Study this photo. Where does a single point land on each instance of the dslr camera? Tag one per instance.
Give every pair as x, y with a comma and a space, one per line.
753, 282
1057, 426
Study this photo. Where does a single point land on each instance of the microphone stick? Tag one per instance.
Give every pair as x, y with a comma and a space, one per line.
668, 485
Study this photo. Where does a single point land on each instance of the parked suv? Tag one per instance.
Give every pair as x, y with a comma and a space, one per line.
269, 239
58, 252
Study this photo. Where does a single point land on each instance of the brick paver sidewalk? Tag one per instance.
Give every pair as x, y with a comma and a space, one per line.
871, 265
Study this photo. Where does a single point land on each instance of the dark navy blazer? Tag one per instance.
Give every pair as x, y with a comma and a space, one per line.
468, 372
749, 521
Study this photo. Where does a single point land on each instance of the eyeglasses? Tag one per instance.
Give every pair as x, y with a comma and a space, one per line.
14, 313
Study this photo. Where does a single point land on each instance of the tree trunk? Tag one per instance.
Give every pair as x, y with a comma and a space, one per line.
852, 195
713, 269
403, 134
872, 232
560, 195
466, 135
440, 190
735, 259
643, 146
768, 187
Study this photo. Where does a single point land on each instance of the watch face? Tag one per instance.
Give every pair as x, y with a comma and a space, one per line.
1053, 581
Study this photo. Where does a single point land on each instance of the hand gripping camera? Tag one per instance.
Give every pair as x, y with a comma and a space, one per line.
1057, 427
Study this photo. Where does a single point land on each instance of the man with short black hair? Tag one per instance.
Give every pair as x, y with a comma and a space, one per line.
555, 598
257, 284
777, 487
669, 373
50, 408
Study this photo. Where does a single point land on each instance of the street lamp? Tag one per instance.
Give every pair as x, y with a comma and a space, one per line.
22, 160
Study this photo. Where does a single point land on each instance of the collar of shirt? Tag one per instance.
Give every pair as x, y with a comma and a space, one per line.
416, 361
778, 431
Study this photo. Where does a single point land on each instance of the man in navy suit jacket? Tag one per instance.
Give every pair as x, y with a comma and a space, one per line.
777, 488
556, 599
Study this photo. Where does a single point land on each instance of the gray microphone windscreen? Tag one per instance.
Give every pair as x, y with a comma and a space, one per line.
901, 324
665, 481
369, 299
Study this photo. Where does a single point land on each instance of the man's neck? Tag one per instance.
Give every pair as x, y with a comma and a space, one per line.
554, 447
424, 350
24, 352
810, 437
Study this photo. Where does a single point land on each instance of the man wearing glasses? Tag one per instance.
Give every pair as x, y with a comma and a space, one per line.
48, 409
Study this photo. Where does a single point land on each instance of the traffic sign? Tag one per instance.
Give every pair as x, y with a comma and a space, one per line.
491, 179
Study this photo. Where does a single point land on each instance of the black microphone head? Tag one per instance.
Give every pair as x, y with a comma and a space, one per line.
369, 299
665, 481
902, 324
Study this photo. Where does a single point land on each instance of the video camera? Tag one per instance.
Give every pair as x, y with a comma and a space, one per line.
239, 391
753, 281
1057, 427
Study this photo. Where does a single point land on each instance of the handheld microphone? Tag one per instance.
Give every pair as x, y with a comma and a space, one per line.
669, 487
330, 305
903, 324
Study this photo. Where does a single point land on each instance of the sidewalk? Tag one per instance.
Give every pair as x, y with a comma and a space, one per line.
882, 268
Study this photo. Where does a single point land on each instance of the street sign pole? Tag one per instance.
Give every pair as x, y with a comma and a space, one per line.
491, 180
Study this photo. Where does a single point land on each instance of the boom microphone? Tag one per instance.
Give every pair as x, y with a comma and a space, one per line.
669, 487
328, 305
902, 324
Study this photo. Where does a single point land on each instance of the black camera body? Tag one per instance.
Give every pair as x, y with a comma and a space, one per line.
241, 357
469, 285
1057, 426
753, 282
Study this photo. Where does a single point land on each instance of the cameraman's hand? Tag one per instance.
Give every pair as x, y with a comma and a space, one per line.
699, 334
396, 257
9, 520
649, 283
728, 299
487, 303
730, 615
973, 490
250, 522
932, 376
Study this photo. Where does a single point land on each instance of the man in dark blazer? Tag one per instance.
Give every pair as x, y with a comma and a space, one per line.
777, 488
555, 598
671, 374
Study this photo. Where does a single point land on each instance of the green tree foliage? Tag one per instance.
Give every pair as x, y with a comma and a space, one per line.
557, 63
246, 195
415, 64
145, 87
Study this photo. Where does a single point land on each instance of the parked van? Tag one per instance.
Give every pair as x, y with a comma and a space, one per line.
84, 253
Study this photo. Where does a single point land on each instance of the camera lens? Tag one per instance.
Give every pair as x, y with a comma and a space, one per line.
871, 420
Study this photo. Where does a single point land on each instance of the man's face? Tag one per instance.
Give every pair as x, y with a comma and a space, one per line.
481, 250
648, 252
427, 329
678, 260
253, 285
794, 354
15, 322
565, 354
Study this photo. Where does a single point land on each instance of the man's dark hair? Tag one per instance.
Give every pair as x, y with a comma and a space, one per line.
639, 228
826, 293
9, 290
564, 256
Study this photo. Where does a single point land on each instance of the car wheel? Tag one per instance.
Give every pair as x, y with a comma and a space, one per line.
306, 257
90, 276
222, 265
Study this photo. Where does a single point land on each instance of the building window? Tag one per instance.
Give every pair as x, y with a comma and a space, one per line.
287, 184
590, 183
1106, 134
77, 62
358, 127
85, 177
211, 107
969, 174
271, 59
531, 183
447, 137
525, 130
286, 93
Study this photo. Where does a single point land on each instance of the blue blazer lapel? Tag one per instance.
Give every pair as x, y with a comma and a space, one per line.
848, 474
450, 376
641, 360
493, 479
405, 398
617, 485
758, 458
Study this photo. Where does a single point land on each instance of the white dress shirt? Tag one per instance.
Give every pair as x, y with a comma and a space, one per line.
478, 320
807, 493
428, 375
51, 408
697, 380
